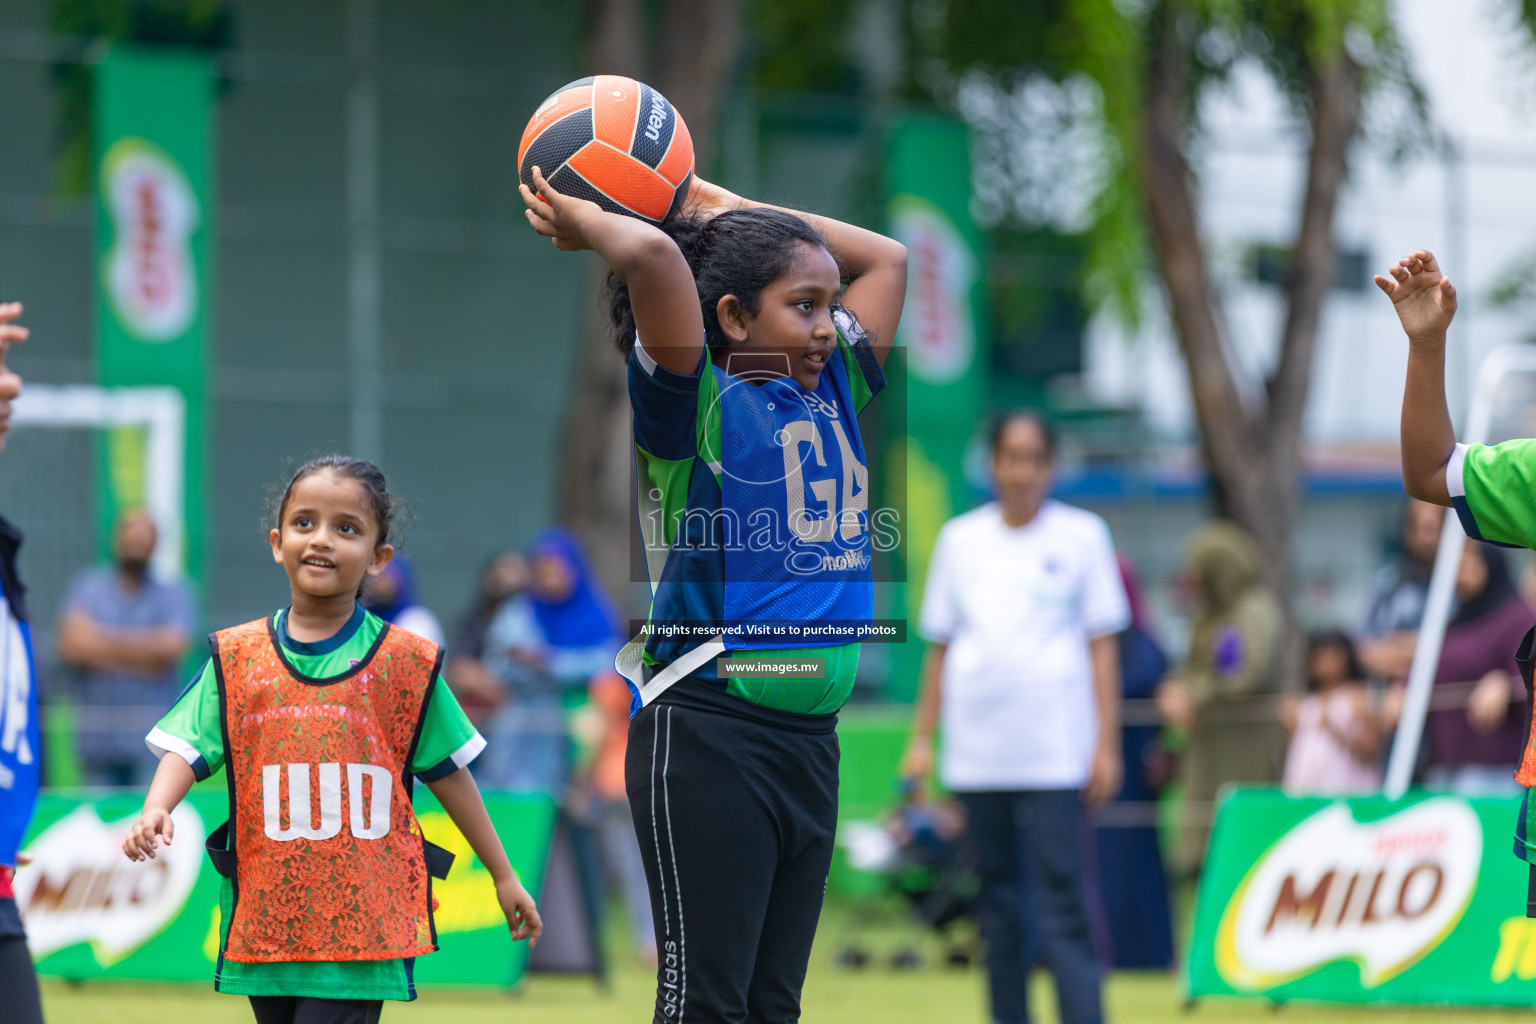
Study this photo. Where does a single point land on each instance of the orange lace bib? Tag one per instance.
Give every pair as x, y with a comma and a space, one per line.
329, 860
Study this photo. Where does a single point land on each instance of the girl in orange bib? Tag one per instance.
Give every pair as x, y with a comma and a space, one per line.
322, 715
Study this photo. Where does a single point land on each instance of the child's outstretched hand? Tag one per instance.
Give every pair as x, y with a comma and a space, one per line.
560, 218
1423, 296
141, 838
518, 906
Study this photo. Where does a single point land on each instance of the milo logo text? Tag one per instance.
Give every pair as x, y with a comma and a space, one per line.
80, 888
1382, 893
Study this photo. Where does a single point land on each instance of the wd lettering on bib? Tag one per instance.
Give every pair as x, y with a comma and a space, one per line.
372, 824
330, 862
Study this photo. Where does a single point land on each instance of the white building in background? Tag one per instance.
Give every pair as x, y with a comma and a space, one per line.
1474, 205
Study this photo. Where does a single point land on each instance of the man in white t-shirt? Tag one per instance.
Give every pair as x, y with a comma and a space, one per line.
1020, 611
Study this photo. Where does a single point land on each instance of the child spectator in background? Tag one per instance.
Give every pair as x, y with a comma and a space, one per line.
1335, 730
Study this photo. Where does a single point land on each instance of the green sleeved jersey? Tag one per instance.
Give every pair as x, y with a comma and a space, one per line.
191, 729
1493, 488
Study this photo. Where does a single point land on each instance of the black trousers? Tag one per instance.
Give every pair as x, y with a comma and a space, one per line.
1029, 852
18, 983
311, 1010
736, 819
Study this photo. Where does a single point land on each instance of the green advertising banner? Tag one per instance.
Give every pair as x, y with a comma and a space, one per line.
941, 345
92, 913
1418, 900
152, 126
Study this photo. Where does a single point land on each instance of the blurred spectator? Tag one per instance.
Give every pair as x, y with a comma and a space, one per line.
576, 618
125, 632
479, 690
1132, 882
526, 746
1474, 729
391, 595
1020, 611
1335, 729
1398, 594
609, 811
546, 645
1222, 696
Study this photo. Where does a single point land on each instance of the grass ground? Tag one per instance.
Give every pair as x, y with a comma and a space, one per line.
831, 997
873, 995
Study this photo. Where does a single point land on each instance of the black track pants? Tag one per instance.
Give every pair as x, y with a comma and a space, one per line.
18, 983
736, 818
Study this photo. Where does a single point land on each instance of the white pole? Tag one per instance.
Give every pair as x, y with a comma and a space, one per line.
1496, 366
164, 484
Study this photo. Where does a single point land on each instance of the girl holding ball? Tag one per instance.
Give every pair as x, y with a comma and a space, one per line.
749, 360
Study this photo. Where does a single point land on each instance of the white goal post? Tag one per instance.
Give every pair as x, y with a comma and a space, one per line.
161, 412
1496, 367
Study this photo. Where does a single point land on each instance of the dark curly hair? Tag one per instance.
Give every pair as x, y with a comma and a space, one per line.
385, 507
738, 253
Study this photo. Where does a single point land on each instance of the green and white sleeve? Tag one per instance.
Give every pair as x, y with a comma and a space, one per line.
448, 741
1492, 488
192, 729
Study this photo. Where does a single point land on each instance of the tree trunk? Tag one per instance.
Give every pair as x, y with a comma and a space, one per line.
1254, 449
597, 457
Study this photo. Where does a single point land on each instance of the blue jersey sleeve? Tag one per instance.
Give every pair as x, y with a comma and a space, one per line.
665, 405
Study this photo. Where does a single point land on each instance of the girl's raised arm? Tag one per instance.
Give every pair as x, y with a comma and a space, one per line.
876, 265
1425, 302
661, 288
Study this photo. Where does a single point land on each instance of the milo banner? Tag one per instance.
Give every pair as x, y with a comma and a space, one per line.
152, 126
941, 347
92, 913
1364, 900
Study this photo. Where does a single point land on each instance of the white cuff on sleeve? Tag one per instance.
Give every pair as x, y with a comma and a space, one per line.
1454, 481
161, 743
469, 751
646, 363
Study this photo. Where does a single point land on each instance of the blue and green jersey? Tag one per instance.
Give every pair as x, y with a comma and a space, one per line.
754, 509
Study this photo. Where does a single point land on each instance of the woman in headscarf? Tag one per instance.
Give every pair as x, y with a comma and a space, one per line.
546, 643
1474, 730
575, 617
1131, 880
1222, 696
391, 595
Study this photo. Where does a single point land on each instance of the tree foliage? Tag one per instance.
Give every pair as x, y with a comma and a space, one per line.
85, 25
960, 43
1155, 66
